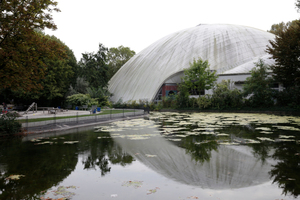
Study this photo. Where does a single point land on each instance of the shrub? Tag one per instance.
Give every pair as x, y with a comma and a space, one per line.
81, 99
225, 97
204, 101
8, 124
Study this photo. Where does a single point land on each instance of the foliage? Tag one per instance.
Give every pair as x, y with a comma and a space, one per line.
58, 75
81, 99
8, 124
167, 101
182, 98
102, 94
199, 77
281, 27
21, 48
298, 5
204, 101
285, 50
258, 86
288, 97
94, 68
224, 96
117, 57
81, 86
132, 104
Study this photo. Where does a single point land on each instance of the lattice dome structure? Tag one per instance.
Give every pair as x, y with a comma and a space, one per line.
229, 49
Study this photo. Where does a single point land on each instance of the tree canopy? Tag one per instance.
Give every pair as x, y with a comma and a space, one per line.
285, 50
117, 57
258, 85
277, 28
23, 49
94, 68
199, 77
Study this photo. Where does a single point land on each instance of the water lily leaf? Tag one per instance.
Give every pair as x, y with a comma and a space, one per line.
175, 140
263, 128
46, 142
153, 190
150, 156
193, 197
265, 139
135, 184
286, 136
14, 177
222, 134
71, 142
266, 132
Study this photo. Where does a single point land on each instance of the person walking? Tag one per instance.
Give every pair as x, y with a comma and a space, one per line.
4, 106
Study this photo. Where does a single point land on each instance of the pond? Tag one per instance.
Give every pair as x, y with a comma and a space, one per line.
169, 155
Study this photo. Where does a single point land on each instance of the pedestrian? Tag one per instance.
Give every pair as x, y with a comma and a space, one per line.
4, 106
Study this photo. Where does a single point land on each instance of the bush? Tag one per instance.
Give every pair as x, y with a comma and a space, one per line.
225, 97
204, 101
289, 97
8, 124
81, 99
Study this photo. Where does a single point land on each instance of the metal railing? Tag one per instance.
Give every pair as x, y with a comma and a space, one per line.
33, 123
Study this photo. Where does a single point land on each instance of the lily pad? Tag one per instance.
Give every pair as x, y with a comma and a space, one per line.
135, 184
153, 190
71, 142
14, 177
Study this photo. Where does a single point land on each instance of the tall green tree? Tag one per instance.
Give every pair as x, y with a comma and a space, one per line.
277, 28
94, 68
117, 57
258, 86
21, 47
285, 50
199, 77
58, 77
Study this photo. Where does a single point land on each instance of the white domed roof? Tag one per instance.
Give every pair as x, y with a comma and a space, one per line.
224, 46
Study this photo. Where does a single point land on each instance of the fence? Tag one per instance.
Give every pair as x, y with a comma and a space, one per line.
58, 121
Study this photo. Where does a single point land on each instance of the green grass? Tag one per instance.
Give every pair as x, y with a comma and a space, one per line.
104, 112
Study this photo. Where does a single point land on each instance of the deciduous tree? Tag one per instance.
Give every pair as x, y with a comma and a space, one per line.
117, 57
258, 85
94, 67
277, 28
285, 50
21, 47
199, 77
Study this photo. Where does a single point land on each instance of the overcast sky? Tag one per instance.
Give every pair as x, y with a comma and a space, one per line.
136, 24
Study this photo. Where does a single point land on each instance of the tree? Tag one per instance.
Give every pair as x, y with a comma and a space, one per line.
258, 86
277, 28
58, 75
285, 50
117, 57
298, 5
94, 68
199, 77
21, 47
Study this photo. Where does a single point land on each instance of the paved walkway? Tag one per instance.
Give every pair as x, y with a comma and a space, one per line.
45, 114
78, 122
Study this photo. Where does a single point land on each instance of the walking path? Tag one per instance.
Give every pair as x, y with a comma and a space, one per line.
45, 114
55, 124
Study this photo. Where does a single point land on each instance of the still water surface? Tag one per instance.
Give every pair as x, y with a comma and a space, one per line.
164, 156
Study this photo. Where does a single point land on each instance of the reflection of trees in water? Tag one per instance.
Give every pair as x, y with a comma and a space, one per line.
199, 148
43, 166
259, 150
103, 152
286, 172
